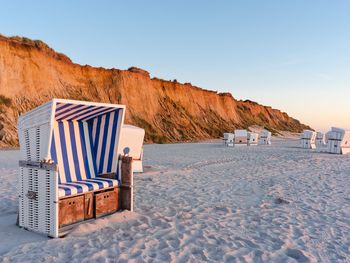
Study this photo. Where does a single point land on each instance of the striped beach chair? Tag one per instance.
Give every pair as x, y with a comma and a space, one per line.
70, 160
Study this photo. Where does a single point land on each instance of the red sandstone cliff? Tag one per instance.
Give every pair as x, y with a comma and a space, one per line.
31, 73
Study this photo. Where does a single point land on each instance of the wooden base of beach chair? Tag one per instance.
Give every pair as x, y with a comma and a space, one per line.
87, 206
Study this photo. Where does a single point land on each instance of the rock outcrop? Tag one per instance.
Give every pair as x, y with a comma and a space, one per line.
32, 73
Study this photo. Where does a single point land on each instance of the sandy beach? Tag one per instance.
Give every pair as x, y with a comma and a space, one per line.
205, 202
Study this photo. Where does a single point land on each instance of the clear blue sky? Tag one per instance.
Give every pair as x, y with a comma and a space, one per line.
293, 54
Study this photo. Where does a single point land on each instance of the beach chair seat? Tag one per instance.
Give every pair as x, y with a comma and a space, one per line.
82, 187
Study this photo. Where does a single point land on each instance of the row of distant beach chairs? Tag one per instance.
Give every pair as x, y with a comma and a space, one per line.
336, 141
243, 137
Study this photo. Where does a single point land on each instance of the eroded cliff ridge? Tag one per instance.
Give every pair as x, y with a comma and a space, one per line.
31, 73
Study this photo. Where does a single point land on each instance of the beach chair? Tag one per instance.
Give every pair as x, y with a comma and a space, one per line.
308, 139
321, 145
241, 138
132, 139
338, 141
265, 137
252, 138
70, 167
229, 139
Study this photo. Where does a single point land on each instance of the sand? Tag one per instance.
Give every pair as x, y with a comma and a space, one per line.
206, 202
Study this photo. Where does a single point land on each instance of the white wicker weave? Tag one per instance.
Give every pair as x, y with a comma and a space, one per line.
338, 141
308, 139
265, 137
252, 138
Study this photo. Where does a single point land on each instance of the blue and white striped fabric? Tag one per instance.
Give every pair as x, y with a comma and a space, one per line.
80, 187
85, 144
79, 112
104, 135
71, 150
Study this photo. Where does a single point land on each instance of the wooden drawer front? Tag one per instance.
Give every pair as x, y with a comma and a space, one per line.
106, 202
71, 210
89, 206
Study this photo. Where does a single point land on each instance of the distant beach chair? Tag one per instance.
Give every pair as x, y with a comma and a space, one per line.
241, 137
70, 168
308, 139
252, 138
132, 139
321, 145
338, 141
265, 137
229, 139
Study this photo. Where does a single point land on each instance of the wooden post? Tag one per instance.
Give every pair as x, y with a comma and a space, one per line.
127, 185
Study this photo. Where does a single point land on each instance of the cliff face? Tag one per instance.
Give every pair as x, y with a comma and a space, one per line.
31, 73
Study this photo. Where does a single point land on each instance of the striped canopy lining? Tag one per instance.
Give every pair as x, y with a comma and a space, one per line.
79, 112
84, 141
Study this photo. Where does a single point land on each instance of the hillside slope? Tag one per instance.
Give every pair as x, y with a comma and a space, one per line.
31, 73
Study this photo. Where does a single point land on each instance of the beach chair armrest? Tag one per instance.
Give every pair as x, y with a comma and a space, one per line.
38, 165
108, 176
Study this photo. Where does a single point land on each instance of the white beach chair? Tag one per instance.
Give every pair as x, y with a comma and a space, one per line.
241, 137
229, 139
321, 145
70, 164
252, 138
338, 141
265, 137
132, 138
308, 139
